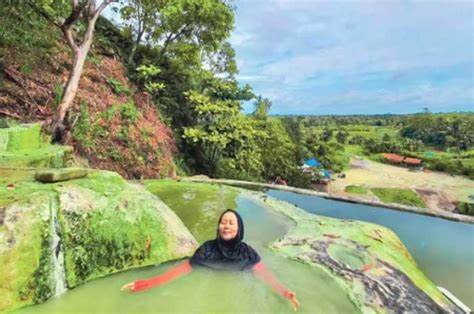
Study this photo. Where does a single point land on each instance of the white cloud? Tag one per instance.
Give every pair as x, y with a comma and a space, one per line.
308, 54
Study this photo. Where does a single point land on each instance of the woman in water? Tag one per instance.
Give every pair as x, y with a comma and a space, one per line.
227, 251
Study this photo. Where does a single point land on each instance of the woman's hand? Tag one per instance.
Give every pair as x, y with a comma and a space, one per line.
290, 295
128, 287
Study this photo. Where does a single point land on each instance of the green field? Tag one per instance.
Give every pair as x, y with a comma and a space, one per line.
399, 196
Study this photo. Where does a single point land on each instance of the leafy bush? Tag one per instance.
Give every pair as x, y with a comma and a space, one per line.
355, 189
118, 87
465, 208
399, 196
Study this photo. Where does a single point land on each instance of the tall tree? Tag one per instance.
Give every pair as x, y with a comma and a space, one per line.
261, 107
67, 16
202, 23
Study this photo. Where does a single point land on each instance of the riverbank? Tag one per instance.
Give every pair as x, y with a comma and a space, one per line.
344, 198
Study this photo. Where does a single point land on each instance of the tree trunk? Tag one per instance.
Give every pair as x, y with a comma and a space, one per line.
59, 125
59, 128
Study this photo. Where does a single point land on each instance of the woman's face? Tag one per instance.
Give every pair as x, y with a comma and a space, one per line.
228, 226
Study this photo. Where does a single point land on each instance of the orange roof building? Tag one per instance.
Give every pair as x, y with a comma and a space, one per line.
412, 161
394, 158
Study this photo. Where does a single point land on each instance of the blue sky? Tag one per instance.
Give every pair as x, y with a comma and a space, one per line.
357, 57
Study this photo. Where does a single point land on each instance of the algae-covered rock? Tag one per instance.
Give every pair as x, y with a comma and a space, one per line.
23, 146
25, 258
62, 174
369, 261
105, 225
110, 225
20, 137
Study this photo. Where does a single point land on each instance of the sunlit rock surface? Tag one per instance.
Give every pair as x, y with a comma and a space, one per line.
368, 260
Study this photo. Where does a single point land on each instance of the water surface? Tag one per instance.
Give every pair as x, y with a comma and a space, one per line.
205, 291
443, 249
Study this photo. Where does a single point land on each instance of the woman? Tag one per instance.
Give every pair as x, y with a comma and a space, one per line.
228, 252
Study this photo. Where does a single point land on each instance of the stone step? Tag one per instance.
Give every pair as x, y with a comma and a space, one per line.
51, 156
20, 137
63, 174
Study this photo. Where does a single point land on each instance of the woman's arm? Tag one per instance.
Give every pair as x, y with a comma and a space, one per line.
264, 274
171, 274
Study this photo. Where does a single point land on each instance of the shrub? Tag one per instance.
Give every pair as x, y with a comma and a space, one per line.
399, 196
355, 189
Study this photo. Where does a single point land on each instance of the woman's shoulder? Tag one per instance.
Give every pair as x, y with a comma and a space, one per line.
252, 253
206, 246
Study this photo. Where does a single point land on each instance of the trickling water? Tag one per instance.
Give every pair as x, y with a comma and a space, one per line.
57, 256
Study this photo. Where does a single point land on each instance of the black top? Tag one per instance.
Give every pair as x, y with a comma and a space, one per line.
232, 254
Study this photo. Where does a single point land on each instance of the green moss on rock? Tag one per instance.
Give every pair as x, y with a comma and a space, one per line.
106, 225
24, 250
24, 136
63, 174
22, 146
110, 225
369, 261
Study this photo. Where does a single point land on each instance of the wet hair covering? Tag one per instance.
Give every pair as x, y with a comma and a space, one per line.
232, 254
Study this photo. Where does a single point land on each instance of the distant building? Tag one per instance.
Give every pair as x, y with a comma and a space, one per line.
402, 160
393, 158
412, 161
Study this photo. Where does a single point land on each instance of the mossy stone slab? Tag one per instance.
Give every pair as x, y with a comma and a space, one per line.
62, 174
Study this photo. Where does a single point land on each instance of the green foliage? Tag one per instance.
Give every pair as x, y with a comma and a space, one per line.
118, 87
465, 208
25, 31
129, 112
203, 24
355, 189
146, 73
262, 107
82, 130
399, 196
441, 130
58, 94
460, 163
221, 130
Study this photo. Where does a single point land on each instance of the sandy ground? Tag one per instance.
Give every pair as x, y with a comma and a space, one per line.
437, 189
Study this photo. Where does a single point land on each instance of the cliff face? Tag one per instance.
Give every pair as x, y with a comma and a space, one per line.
114, 125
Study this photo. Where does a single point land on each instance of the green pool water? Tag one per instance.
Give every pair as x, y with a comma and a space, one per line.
205, 291
443, 249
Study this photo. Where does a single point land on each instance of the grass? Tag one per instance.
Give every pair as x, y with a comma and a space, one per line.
399, 196
356, 189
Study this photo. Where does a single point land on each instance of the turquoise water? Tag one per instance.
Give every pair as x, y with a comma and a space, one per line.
443, 249
205, 291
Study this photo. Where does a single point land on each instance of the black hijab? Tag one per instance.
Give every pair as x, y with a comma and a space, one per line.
233, 254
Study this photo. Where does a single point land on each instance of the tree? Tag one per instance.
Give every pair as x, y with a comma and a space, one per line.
341, 137
261, 107
138, 17
78, 13
327, 134
202, 23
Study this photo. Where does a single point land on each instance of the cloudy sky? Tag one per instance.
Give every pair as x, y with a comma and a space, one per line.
357, 57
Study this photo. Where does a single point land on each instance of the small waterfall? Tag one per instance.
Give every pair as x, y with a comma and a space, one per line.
57, 256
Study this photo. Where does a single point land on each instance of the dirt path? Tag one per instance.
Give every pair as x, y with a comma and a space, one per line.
437, 189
